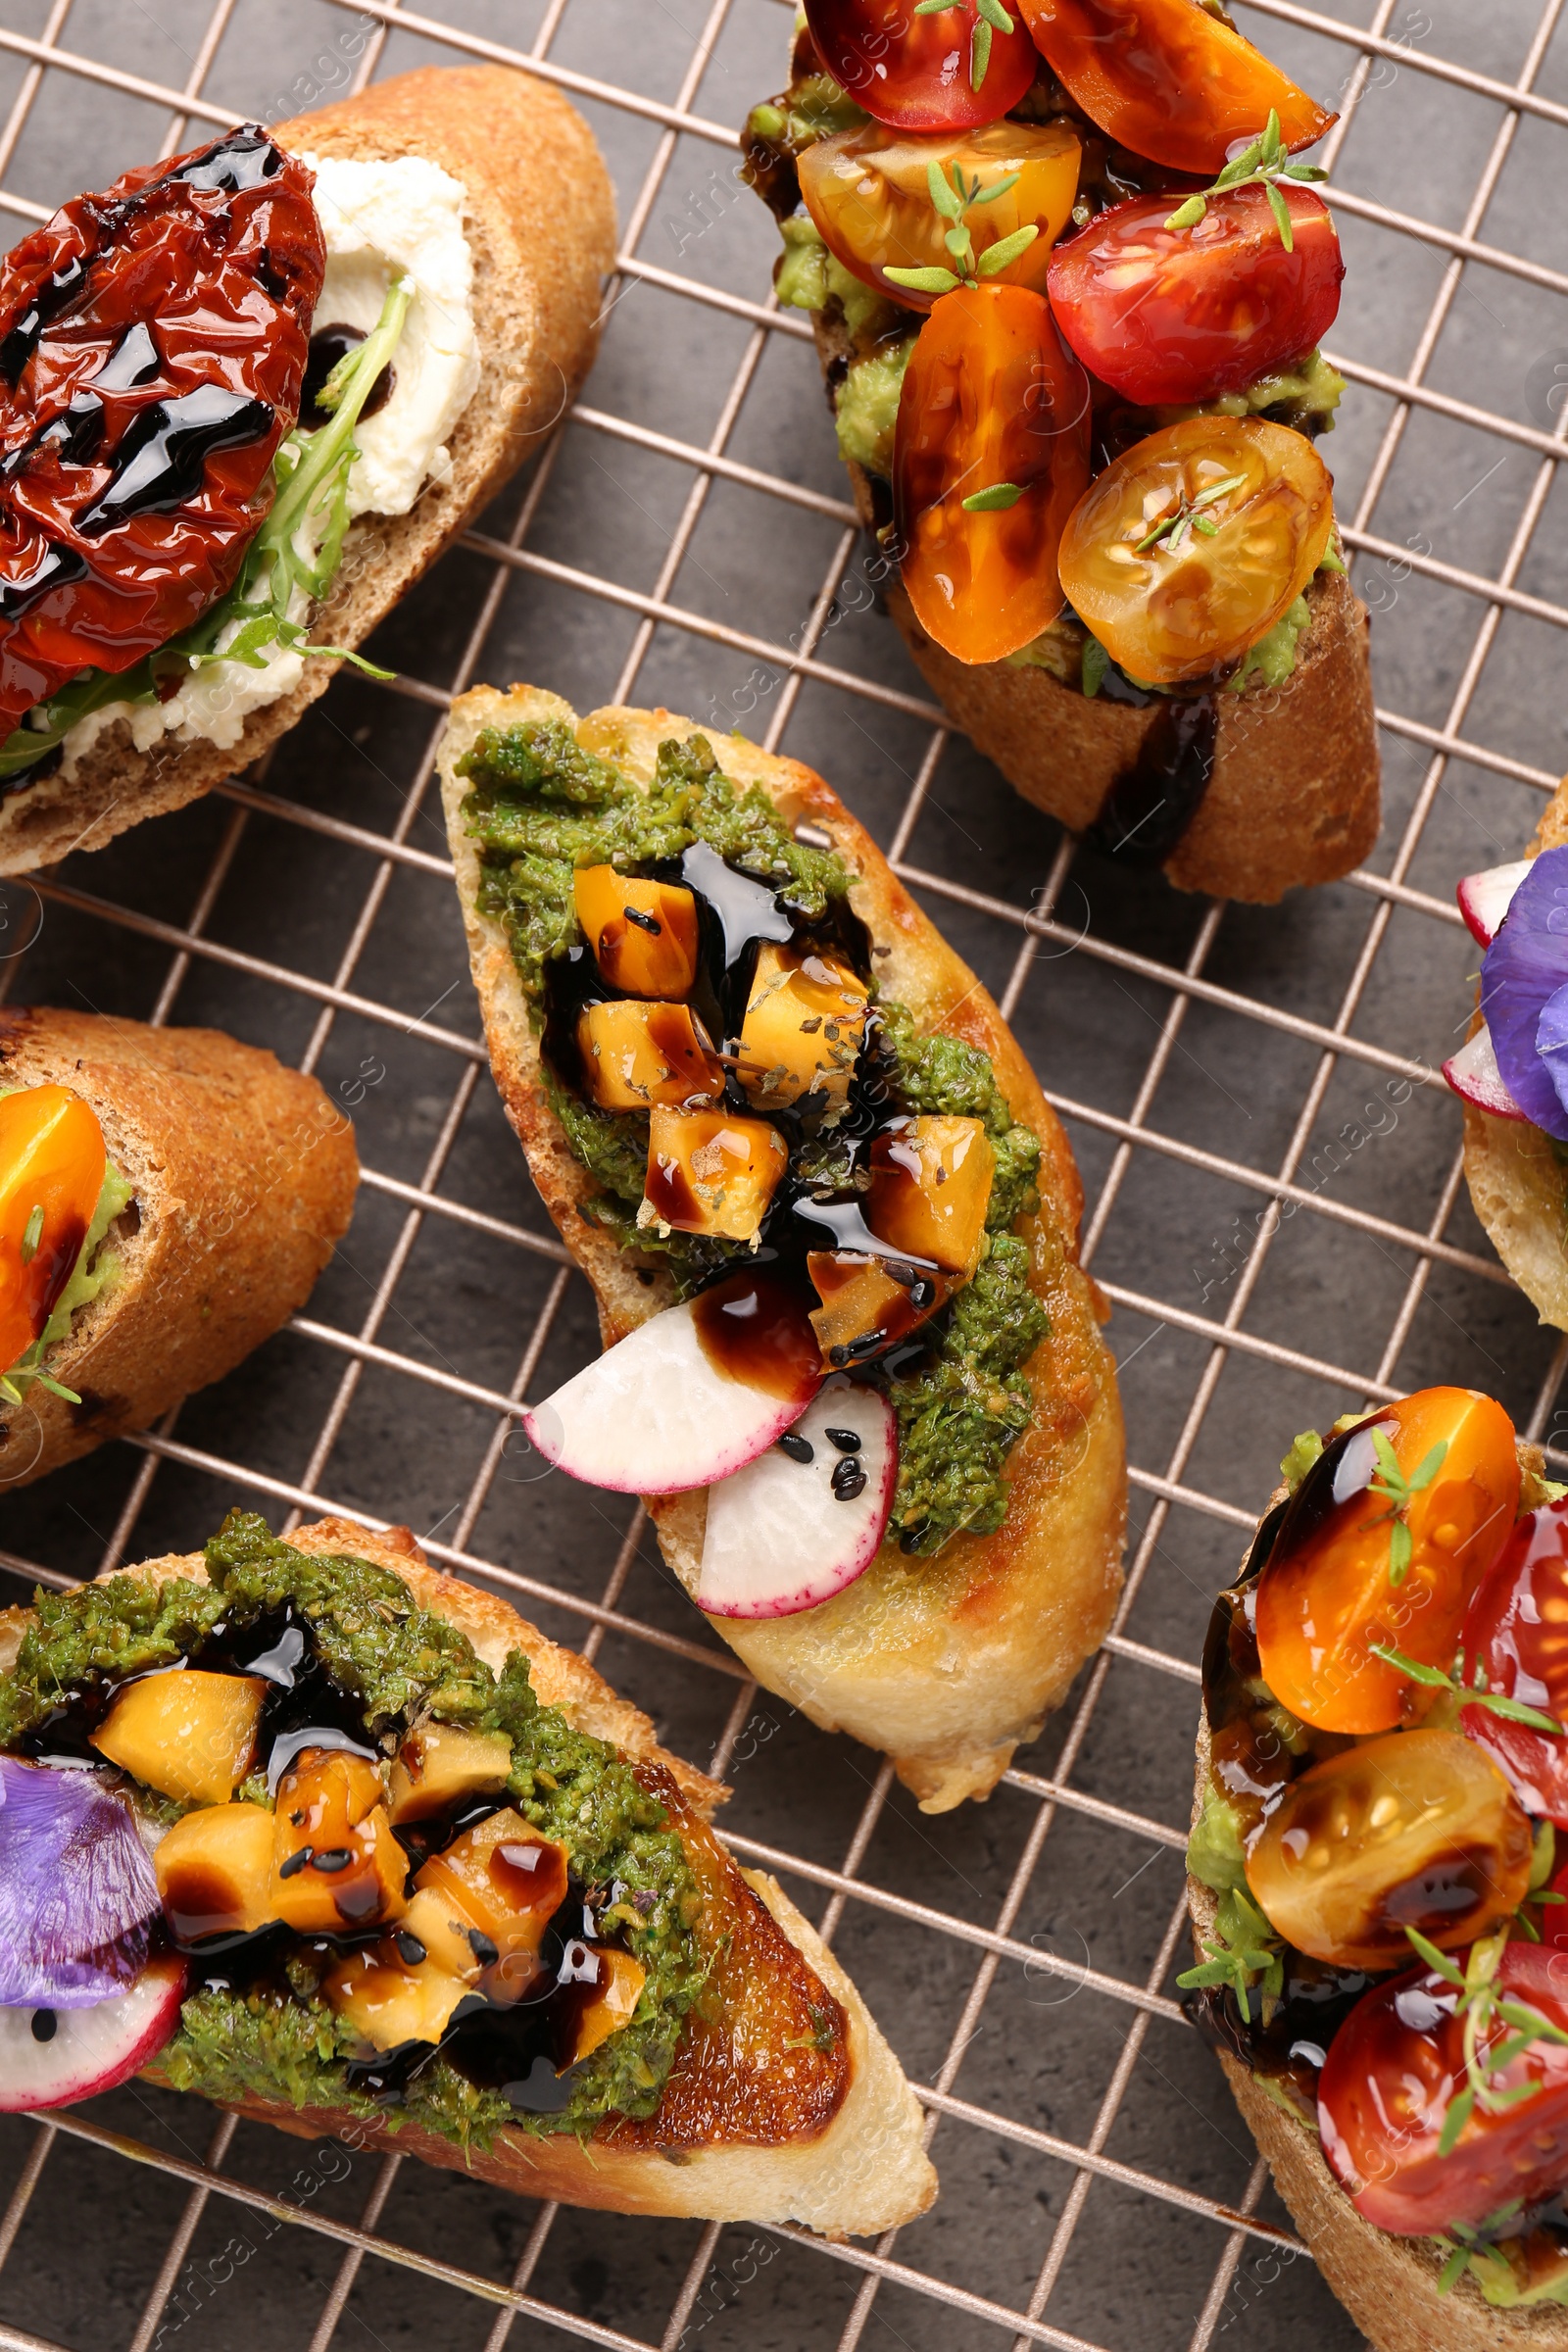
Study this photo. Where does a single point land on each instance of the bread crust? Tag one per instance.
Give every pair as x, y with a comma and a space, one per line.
1518, 1184
1295, 794
244, 1176
947, 1664
541, 222
860, 2173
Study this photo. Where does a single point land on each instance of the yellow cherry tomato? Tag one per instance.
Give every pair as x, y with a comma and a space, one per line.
1187, 549
52, 1163
869, 193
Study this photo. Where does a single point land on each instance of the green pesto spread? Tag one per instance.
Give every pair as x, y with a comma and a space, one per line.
95, 1271
397, 1662
541, 806
809, 276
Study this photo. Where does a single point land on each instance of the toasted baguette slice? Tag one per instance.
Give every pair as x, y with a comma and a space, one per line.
244, 1177
835, 2142
1387, 2284
1293, 797
541, 220
1518, 1184
946, 1663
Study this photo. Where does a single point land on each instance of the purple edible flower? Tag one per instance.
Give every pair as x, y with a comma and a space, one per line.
1524, 994
76, 1890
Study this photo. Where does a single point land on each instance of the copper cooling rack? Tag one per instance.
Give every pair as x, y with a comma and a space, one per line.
1274, 1197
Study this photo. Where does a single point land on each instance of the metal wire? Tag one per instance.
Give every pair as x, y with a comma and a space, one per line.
1137, 1156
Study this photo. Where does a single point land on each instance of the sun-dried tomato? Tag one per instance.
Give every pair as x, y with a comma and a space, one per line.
153, 342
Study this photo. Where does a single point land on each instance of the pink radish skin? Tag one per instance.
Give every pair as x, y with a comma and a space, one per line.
1473, 1073
655, 1415
92, 2050
779, 1540
1484, 899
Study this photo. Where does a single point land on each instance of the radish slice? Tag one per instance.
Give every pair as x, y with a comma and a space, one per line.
666, 1408
87, 2050
1473, 1072
1484, 899
781, 1536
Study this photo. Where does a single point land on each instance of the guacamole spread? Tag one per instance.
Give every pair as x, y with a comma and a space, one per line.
268, 2032
540, 807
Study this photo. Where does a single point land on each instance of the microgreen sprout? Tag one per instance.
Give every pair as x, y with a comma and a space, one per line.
1476, 1692
989, 17
1247, 1946
32, 1236
951, 199
994, 501
1489, 2051
1265, 163
1188, 515
1396, 1490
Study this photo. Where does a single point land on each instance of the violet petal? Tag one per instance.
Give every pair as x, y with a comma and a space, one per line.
1551, 1042
77, 1890
1525, 966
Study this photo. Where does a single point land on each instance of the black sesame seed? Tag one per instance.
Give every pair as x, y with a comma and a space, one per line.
923, 1294
848, 1480
799, 1449
483, 1949
643, 922
45, 2025
848, 1440
333, 1860
295, 1863
410, 1948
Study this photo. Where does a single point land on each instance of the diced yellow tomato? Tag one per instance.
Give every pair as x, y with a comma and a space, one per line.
214, 1871
636, 1054
485, 1900
613, 2004
864, 1308
930, 1188
189, 1735
642, 934
440, 1766
336, 1867
389, 1999
52, 1163
711, 1172
804, 1029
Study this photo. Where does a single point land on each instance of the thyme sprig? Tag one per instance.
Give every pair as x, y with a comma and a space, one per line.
1489, 2051
951, 199
1188, 515
989, 17
1398, 1489
996, 500
1247, 1946
1265, 163
1477, 1692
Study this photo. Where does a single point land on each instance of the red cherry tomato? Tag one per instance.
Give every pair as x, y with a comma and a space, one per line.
1173, 315
916, 72
1392, 2070
52, 1163
153, 342
1169, 80
868, 193
1517, 1631
1327, 1593
991, 397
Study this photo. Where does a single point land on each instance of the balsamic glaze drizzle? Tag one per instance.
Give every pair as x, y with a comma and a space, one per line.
1151, 804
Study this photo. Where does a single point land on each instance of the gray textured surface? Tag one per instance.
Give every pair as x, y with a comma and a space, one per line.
1137, 2272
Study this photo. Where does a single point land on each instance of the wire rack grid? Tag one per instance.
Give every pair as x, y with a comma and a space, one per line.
1275, 1206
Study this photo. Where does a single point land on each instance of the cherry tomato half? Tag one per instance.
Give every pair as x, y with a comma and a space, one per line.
1190, 601
916, 72
868, 193
1415, 1830
1327, 1593
1392, 2070
1172, 315
991, 396
1169, 80
52, 1160
1517, 1631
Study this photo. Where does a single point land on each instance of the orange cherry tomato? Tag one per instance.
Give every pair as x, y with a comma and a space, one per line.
992, 397
1169, 80
1415, 1830
917, 72
1394, 2070
869, 192
52, 1162
1331, 1588
1232, 561
1516, 1631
